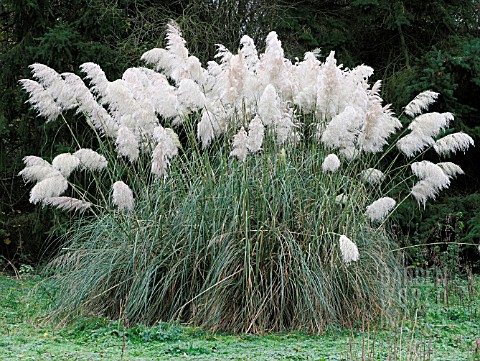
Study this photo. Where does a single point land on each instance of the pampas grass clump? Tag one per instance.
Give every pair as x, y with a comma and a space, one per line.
250, 195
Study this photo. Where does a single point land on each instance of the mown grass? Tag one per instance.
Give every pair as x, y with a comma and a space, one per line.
441, 326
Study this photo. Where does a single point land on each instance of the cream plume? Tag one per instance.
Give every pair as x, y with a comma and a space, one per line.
127, 144
424, 128
36, 173
68, 204
91, 160
123, 196
205, 131
343, 129
66, 163
349, 153
47, 188
240, 141
55, 85
269, 106
273, 68
331, 163
190, 96
413, 143
348, 250
166, 149
41, 99
420, 103
379, 209
372, 176
329, 89
31, 160
452, 143
378, 126
97, 78
256, 132
249, 51
161, 58
451, 169
430, 124
433, 179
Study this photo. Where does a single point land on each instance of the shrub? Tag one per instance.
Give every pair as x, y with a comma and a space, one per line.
245, 196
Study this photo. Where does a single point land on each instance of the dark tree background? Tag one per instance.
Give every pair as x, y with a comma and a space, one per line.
412, 45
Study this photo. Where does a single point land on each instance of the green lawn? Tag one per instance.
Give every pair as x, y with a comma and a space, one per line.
434, 331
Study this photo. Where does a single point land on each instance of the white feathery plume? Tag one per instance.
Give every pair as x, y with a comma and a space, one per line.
88, 105
424, 128
360, 74
372, 176
379, 125
178, 51
343, 129
375, 89
120, 97
166, 149
31, 160
305, 76
37, 173
100, 118
55, 85
423, 190
232, 79
240, 141
97, 78
81, 97
328, 89
159, 161
129, 109
47, 188
452, 143
91, 160
175, 42
68, 204
190, 96
331, 163
430, 124
66, 163
379, 209
41, 99
451, 169
194, 70
269, 106
414, 142
420, 103
426, 169
273, 68
223, 54
127, 144
161, 58
163, 96
433, 179
247, 72
349, 250
249, 51
256, 132
123, 196
205, 130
